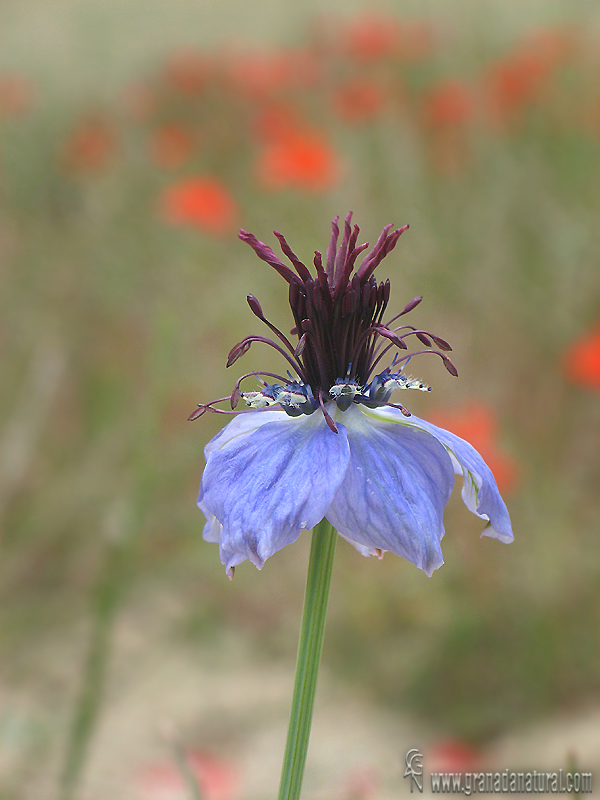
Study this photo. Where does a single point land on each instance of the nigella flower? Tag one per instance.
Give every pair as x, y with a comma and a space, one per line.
327, 441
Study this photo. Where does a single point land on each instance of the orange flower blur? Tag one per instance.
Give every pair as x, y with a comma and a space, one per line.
358, 100
91, 146
520, 79
298, 160
171, 145
475, 422
275, 121
263, 75
188, 72
449, 103
216, 779
581, 362
202, 202
371, 38
453, 755
16, 95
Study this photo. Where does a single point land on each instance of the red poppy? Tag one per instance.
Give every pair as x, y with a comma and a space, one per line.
16, 95
449, 103
172, 145
216, 779
369, 38
520, 79
203, 202
452, 755
276, 121
187, 72
139, 102
476, 423
581, 361
91, 145
299, 160
261, 75
359, 100
361, 784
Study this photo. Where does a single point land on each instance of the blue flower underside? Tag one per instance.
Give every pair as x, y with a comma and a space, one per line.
383, 481
267, 477
479, 492
394, 492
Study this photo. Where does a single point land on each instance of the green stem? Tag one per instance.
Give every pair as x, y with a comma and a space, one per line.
107, 600
320, 565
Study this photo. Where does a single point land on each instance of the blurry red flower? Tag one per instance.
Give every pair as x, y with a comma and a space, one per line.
90, 146
203, 202
187, 72
16, 95
358, 100
276, 121
369, 38
452, 755
299, 160
171, 145
261, 75
449, 103
581, 361
216, 779
476, 423
448, 107
519, 79
139, 102
361, 784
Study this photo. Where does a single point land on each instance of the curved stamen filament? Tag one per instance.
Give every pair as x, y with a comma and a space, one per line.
378, 359
249, 339
441, 343
326, 414
275, 330
401, 408
378, 330
407, 308
208, 407
447, 363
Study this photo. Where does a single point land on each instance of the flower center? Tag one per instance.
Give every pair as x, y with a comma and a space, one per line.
341, 337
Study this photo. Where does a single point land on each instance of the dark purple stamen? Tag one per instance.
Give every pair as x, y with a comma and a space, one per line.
338, 317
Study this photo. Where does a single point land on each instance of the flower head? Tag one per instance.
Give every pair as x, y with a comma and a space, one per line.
326, 441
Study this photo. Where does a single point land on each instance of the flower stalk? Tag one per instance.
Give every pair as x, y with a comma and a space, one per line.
310, 645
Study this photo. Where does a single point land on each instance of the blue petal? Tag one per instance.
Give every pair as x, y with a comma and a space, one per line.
212, 533
398, 482
480, 491
267, 477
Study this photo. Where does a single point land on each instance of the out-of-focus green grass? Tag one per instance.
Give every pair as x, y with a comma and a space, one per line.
114, 325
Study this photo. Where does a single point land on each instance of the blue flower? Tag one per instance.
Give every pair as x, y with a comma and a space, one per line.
328, 442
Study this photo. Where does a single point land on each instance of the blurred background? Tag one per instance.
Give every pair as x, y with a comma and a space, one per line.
136, 138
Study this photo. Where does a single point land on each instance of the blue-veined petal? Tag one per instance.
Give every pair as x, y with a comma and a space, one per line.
397, 484
479, 492
267, 477
212, 533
